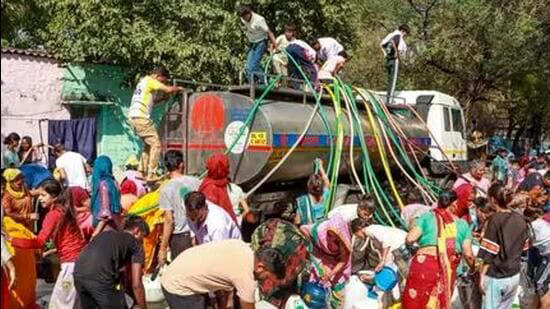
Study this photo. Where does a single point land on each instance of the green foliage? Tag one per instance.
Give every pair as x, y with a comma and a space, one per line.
20, 21
480, 51
196, 40
489, 54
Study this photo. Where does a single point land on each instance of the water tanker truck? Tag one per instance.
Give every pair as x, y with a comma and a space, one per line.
207, 122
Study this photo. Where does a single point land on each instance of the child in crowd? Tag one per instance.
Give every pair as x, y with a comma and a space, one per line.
280, 59
61, 226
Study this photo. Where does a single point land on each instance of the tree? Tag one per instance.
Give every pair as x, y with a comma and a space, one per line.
197, 40
21, 20
476, 50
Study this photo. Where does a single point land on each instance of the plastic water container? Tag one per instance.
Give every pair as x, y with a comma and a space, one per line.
386, 279
153, 290
357, 295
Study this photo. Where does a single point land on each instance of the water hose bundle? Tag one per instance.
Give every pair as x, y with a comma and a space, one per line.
383, 157
317, 108
386, 120
385, 131
339, 144
368, 171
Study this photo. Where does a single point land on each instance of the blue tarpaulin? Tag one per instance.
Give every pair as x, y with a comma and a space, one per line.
78, 135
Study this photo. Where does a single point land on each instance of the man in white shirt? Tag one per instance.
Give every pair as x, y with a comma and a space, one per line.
364, 210
208, 221
303, 56
71, 166
258, 33
393, 45
385, 239
176, 233
327, 47
332, 66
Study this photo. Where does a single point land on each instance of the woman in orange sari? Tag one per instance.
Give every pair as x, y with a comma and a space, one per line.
443, 238
17, 200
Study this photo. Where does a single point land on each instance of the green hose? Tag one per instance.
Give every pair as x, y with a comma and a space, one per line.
377, 188
382, 115
371, 183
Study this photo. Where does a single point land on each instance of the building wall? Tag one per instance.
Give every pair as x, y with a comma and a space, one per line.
34, 87
30, 91
107, 83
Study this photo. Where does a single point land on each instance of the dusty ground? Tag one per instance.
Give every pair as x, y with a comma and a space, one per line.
44, 290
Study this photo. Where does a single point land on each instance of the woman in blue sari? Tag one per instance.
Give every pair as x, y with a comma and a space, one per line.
311, 207
106, 208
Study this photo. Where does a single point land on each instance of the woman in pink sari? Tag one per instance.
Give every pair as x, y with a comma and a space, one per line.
331, 256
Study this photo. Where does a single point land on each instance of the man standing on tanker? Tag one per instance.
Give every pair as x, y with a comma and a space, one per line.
392, 46
258, 33
147, 93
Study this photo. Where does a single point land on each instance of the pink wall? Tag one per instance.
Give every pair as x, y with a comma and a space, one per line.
31, 90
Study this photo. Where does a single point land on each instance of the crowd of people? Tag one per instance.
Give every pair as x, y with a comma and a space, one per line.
480, 241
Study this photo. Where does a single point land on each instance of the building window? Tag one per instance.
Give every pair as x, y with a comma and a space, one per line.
446, 119
457, 121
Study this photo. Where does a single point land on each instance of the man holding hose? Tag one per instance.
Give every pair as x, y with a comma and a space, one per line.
392, 46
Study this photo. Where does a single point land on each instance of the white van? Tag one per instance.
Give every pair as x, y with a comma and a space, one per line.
445, 119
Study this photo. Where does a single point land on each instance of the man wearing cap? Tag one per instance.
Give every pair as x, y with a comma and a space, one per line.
393, 45
258, 33
147, 93
176, 233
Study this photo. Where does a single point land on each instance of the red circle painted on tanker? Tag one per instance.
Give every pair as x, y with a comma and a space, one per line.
208, 114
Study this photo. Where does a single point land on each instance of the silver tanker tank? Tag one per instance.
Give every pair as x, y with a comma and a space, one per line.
214, 119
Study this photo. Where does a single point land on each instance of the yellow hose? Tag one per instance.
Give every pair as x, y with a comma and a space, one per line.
340, 140
380, 146
377, 195
352, 134
396, 128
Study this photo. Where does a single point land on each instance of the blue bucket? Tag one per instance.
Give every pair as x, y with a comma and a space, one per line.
314, 295
386, 279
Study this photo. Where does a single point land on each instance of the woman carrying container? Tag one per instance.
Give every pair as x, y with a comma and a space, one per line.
442, 238
331, 256
311, 206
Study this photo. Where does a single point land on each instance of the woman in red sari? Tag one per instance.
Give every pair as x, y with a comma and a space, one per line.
443, 238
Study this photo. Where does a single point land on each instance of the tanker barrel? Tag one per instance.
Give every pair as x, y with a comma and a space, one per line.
215, 119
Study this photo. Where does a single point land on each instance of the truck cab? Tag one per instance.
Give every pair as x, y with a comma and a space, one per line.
445, 119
